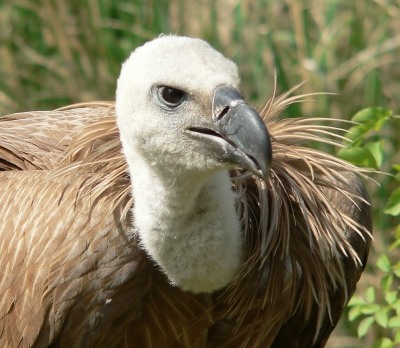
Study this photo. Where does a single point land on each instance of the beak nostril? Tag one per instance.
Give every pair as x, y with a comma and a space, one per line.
223, 113
245, 139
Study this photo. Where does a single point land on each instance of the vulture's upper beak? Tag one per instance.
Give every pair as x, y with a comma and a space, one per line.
237, 133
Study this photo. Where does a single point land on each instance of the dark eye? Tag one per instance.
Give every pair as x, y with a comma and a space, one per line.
171, 96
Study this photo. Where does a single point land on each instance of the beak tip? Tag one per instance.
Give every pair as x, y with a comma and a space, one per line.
264, 172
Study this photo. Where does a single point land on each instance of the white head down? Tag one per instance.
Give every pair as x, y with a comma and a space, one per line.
183, 125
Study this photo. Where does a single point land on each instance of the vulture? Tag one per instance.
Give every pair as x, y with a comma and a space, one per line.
178, 216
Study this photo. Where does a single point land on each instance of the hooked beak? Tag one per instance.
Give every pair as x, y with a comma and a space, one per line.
237, 133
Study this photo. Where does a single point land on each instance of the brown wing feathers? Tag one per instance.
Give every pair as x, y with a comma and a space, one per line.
74, 277
38, 139
64, 274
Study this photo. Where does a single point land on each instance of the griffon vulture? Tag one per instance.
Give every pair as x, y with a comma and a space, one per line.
178, 218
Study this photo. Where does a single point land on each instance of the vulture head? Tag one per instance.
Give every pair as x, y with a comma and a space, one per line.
178, 105
183, 125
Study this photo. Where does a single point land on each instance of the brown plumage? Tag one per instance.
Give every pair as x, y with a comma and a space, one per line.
73, 277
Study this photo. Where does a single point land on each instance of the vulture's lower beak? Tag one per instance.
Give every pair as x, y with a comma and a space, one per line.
237, 134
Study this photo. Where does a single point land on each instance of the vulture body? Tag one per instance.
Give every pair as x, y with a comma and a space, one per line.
161, 221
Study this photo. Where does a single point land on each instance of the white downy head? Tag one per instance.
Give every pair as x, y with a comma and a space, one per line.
154, 128
183, 125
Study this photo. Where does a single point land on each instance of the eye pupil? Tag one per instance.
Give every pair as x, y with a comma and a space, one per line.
172, 95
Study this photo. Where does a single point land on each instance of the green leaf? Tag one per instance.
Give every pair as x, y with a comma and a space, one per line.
383, 343
397, 167
372, 115
354, 312
359, 156
356, 300
394, 322
391, 297
365, 324
386, 282
393, 205
357, 133
396, 306
397, 272
395, 245
370, 294
397, 337
397, 265
370, 308
396, 269
383, 263
376, 149
381, 317
371, 118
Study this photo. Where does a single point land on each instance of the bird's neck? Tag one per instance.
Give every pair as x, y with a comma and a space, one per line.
188, 224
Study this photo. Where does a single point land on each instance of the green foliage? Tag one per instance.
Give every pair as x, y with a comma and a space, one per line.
393, 206
379, 307
365, 151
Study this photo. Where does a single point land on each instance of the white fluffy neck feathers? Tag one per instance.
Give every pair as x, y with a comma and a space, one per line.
184, 207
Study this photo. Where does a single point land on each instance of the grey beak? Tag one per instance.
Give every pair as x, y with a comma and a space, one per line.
242, 127
238, 134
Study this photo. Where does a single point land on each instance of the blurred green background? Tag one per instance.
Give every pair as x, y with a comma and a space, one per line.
55, 52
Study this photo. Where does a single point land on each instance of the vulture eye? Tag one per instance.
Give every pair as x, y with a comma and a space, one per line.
172, 97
